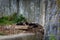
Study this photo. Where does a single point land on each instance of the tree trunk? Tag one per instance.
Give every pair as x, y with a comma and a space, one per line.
10, 5
17, 3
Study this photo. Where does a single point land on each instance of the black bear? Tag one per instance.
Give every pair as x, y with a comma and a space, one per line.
20, 23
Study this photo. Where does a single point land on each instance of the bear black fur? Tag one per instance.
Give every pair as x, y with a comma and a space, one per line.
20, 23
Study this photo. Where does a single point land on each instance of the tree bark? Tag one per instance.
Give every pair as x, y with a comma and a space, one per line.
17, 3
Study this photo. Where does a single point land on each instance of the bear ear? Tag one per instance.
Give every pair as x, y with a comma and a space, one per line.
26, 23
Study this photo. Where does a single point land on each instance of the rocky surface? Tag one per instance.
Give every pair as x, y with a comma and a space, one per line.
17, 29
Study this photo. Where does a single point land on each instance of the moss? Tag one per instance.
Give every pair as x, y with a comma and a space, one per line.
6, 20
52, 37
